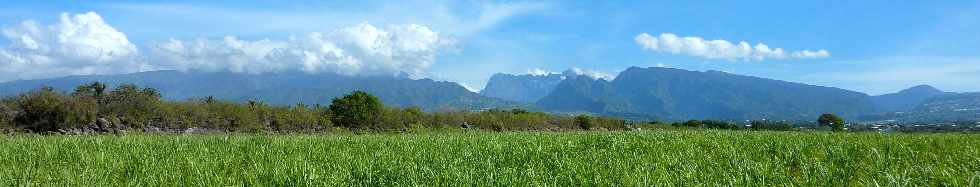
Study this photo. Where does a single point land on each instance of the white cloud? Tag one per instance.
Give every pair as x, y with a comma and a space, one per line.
494, 13
718, 49
468, 87
83, 44
461, 18
361, 49
539, 72
589, 73
78, 44
811, 54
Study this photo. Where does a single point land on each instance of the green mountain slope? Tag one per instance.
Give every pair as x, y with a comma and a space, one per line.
674, 94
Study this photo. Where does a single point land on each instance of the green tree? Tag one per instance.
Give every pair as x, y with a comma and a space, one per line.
831, 120
95, 90
46, 110
356, 110
136, 105
583, 121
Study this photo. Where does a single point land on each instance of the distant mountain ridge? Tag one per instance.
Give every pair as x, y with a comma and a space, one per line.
636, 93
521, 88
906, 99
952, 107
281, 88
674, 94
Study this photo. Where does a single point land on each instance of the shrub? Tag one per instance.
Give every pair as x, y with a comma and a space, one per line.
356, 110
45, 110
134, 105
713, 124
692, 123
583, 121
771, 125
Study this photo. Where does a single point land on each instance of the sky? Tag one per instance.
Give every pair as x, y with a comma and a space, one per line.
870, 46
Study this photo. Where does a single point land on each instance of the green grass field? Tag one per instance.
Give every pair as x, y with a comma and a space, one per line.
485, 158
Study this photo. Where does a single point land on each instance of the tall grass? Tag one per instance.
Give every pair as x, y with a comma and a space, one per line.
680, 158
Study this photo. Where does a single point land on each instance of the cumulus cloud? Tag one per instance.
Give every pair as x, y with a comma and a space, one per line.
539, 72
719, 49
572, 72
811, 54
361, 49
588, 73
83, 44
78, 44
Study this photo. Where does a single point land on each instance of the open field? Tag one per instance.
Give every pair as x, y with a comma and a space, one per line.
484, 158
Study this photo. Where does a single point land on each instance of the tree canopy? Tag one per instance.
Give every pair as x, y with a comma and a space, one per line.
831, 120
356, 110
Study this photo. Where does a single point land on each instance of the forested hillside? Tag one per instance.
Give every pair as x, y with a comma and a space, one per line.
667, 93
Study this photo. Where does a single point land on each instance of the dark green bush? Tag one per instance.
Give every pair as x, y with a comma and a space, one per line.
357, 110
771, 125
45, 110
713, 124
583, 121
692, 123
133, 105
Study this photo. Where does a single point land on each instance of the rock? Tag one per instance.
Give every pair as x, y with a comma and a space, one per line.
152, 129
103, 124
89, 129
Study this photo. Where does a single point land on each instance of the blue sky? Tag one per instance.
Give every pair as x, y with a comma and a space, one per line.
873, 46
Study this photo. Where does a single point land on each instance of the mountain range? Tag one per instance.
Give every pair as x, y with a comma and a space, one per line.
949, 107
636, 93
281, 88
906, 99
521, 88
675, 94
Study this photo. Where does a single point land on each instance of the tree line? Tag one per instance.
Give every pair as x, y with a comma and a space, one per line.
94, 107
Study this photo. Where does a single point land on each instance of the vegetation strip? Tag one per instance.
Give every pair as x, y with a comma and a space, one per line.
641, 158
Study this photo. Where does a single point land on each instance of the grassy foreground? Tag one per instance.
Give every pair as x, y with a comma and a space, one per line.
483, 158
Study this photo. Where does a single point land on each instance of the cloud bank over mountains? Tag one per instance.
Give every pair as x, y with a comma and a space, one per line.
83, 44
77, 44
361, 49
574, 71
719, 49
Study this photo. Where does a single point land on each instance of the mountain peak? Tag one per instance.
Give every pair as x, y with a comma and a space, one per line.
677, 94
906, 99
526, 88
921, 89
